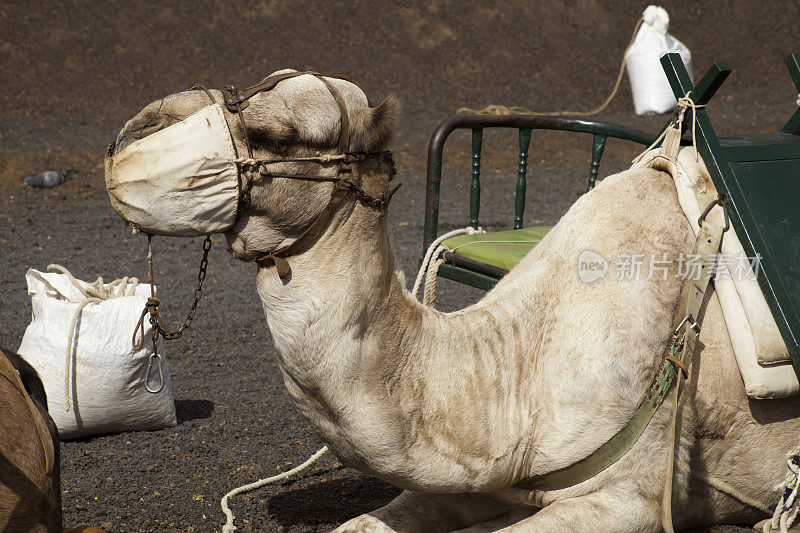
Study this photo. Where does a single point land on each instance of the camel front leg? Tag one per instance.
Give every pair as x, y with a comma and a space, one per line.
426, 513
610, 511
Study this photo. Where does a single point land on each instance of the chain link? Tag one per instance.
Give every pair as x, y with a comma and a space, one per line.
159, 328
364, 197
198, 294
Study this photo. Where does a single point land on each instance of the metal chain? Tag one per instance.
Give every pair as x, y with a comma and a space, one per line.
198, 293
159, 328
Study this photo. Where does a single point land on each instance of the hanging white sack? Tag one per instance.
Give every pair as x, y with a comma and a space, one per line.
649, 85
100, 386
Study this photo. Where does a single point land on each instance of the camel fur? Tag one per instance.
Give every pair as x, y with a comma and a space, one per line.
30, 496
456, 408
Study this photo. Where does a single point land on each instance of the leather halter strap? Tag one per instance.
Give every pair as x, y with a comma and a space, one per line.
236, 100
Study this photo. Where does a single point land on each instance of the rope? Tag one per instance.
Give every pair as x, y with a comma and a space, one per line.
684, 103
789, 505
229, 527
431, 263
429, 292
494, 109
94, 293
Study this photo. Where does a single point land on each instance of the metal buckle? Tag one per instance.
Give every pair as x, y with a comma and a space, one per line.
693, 325
234, 100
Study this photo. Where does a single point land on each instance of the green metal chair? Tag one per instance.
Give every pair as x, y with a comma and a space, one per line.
471, 259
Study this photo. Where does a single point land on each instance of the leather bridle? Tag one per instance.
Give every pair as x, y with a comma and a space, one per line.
253, 170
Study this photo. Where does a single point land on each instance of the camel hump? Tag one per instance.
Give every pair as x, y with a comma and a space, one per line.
30, 386
28, 376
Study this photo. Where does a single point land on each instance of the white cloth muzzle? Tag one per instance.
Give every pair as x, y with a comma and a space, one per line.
181, 181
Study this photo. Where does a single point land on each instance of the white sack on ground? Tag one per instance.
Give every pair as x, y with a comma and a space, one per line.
649, 84
107, 392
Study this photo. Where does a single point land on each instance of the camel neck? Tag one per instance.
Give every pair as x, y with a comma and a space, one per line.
342, 299
367, 365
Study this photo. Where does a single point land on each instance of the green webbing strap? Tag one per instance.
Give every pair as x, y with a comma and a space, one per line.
610, 452
681, 348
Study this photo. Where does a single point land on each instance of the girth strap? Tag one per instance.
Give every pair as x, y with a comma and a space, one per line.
677, 358
707, 244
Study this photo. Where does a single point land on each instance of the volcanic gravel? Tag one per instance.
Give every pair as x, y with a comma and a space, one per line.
71, 75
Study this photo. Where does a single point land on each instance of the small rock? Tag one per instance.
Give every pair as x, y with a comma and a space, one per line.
48, 178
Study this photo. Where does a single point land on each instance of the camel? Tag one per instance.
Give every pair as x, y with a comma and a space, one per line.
30, 493
457, 408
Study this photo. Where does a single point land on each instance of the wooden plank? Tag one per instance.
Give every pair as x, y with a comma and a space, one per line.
793, 65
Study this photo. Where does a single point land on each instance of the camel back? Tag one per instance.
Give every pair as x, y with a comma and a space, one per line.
758, 173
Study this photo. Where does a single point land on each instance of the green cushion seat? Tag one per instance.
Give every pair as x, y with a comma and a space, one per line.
482, 246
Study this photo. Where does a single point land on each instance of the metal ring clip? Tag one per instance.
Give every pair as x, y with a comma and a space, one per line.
693, 325
160, 374
722, 202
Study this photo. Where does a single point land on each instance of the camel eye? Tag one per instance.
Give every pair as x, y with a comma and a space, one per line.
274, 138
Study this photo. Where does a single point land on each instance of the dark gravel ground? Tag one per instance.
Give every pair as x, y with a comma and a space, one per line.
71, 74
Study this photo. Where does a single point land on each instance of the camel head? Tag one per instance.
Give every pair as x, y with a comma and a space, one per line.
299, 117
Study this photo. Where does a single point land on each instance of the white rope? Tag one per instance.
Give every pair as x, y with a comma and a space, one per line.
431, 263
229, 527
429, 291
683, 104
95, 293
789, 505
494, 109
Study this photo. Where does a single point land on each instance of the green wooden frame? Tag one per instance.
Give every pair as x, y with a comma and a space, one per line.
760, 176
479, 274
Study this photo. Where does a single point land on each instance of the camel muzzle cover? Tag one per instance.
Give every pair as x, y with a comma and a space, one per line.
182, 181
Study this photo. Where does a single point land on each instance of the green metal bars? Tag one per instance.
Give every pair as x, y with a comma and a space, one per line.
525, 124
522, 170
598, 145
475, 184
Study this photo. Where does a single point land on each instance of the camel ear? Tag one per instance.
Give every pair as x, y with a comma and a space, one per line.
372, 127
